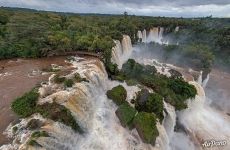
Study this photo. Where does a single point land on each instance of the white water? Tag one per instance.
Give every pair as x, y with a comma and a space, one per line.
117, 53
203, 122
177, 29
200, 120
95, 113
156, 35
122, 51
205, 82
139, 36
199, 80
144, 36
153, 35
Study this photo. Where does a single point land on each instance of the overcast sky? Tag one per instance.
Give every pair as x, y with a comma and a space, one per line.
177, 8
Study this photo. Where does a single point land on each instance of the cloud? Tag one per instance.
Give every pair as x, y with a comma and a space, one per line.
188, 8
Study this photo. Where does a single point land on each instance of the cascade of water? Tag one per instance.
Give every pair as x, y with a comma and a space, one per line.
144, 36
122, 51
94, 112
160, 36
126, 45
117, 53
204, 84
170, 119
199, 80
177, 29
139, 36
202, 121
153, 35
156, 35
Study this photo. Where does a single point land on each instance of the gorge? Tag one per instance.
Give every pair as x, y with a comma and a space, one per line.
95, 113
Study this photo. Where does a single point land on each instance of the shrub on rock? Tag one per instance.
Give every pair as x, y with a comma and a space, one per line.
24, 105
118, 94
150, 102
68, 83
126, 113
145, 123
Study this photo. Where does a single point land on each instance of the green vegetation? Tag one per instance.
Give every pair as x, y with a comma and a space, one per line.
118, 94
23, 106
174, 90
27, 105
58, 79
78, 78
126, 113
195, 55
38, 134
59, 113
15, 129
33, 33
150, 102
145, 123
33, 142
204, 42
68, 83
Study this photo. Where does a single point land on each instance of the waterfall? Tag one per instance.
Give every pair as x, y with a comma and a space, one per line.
144, 38
199, 80
94, 112
169, 121
177, 29
92, 109
126, 45
117, 53
153, 35
122, 50
204, 84
161, 33
156, 35
203, 122
139, 36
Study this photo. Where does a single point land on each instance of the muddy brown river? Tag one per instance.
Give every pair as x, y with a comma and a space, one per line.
17, 77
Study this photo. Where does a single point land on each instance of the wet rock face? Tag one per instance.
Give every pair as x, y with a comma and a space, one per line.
142, 97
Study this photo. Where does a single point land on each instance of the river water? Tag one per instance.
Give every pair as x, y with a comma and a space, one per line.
18, 77
88, 103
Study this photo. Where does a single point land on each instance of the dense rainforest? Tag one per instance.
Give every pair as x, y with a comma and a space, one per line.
31, 33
